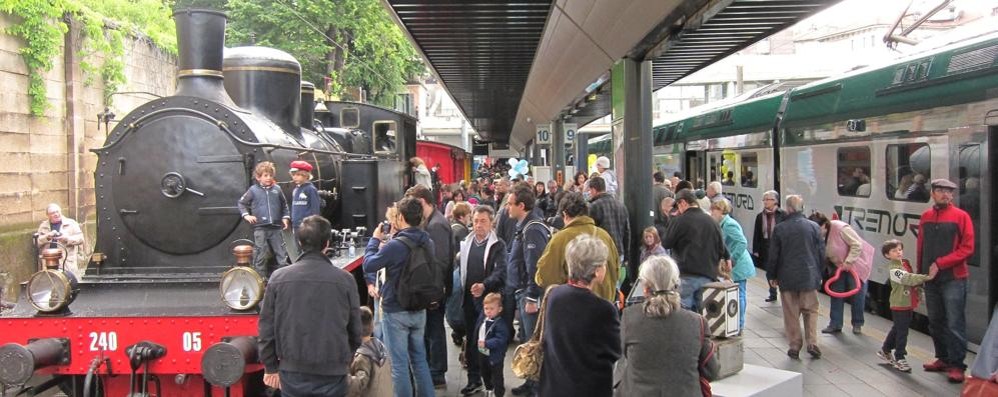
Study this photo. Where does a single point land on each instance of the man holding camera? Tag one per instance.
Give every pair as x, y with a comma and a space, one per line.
61, 233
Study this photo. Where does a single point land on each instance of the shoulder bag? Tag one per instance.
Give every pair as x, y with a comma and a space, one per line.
528, 357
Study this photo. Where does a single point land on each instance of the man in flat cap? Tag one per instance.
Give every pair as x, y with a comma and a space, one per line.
945, 241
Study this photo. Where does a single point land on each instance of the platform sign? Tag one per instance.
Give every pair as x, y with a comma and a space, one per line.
570, 131
544, 134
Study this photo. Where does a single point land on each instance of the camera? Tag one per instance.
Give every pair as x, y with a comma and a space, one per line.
386, 227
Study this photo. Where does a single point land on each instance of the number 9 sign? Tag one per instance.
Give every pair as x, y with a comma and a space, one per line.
570, 130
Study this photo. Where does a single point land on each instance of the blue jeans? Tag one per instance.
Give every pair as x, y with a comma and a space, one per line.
404, 341
742, 286
858, 302
527, 321
298, 384
267, 242
691, 292
946, 301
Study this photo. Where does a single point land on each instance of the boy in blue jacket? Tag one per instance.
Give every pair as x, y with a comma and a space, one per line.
265, 207
493, 338
305, 200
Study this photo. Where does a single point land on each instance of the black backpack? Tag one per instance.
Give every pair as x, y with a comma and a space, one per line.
420, 285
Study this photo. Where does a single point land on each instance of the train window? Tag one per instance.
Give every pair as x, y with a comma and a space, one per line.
853, 171
384, 136
750, 170
908, 172
349, 118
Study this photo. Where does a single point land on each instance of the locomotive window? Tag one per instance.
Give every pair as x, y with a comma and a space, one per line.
853, 171
349, 118
384, 136
908, 172
750, 170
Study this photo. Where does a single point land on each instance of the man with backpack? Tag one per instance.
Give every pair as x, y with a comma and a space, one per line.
412, 284
529, 241
482, 270
438, 228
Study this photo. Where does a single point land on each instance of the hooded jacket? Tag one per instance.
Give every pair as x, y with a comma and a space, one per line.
267, 204
734, 239
392, 257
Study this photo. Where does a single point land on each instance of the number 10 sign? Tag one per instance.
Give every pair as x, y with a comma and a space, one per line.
544, 134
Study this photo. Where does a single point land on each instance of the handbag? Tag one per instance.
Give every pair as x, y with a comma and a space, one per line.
977, 387
529, 356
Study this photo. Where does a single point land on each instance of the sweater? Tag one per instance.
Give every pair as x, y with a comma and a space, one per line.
843, 245
298, 335
946, 237
581, 344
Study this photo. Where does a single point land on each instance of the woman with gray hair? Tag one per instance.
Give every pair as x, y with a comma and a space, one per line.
581, 330
653, 365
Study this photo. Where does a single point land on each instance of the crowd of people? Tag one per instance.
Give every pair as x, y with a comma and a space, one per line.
555, 258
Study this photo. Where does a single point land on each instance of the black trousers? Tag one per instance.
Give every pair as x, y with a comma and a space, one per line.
492, 375
897, 339
472, 311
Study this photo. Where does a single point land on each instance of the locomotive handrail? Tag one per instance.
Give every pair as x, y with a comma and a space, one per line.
224, 127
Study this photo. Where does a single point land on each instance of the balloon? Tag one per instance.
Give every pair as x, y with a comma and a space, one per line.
511, 162
522, 164
513, 173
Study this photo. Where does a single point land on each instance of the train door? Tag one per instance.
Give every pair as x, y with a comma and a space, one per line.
968, 157
696, 168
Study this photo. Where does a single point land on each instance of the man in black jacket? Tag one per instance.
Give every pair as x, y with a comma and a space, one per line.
306, 349
696, 243
765, 222
796, 252
611, 215
443, 242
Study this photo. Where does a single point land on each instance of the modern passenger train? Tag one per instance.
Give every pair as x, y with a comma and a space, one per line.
862, 147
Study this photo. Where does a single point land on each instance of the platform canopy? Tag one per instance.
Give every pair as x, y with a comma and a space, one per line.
510, 65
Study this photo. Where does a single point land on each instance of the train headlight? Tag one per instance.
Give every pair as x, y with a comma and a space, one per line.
241, 288
52, 290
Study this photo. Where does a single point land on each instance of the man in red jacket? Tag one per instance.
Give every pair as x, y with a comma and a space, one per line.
945, 241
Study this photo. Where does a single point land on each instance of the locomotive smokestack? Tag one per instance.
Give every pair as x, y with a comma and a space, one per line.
307, 104
200, 41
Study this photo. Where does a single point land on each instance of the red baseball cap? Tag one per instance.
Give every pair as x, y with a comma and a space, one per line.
299, 165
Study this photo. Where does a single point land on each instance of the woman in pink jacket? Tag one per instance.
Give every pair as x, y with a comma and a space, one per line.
845, 249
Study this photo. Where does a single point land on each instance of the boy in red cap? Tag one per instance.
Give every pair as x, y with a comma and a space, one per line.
305, 198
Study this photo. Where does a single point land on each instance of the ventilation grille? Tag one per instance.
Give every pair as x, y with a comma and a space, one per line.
969, 61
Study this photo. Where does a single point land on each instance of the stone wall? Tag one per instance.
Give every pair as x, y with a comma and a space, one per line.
46, 159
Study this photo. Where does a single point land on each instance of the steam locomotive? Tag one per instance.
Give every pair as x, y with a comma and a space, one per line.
167, 305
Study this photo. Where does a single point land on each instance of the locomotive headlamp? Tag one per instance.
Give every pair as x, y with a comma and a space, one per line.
241, 288
52, 290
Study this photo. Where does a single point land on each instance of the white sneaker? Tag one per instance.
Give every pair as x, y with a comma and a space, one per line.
886, 356
902, 365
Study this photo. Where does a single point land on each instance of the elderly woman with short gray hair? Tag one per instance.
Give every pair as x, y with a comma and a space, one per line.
581, 330
654, 365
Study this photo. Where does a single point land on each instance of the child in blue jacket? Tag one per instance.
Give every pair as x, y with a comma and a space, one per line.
493, 338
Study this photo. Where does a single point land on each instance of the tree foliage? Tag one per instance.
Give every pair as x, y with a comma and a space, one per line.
340, 43
104, 23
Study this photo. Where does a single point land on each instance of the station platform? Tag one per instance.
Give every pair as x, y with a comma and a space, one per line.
849, 365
